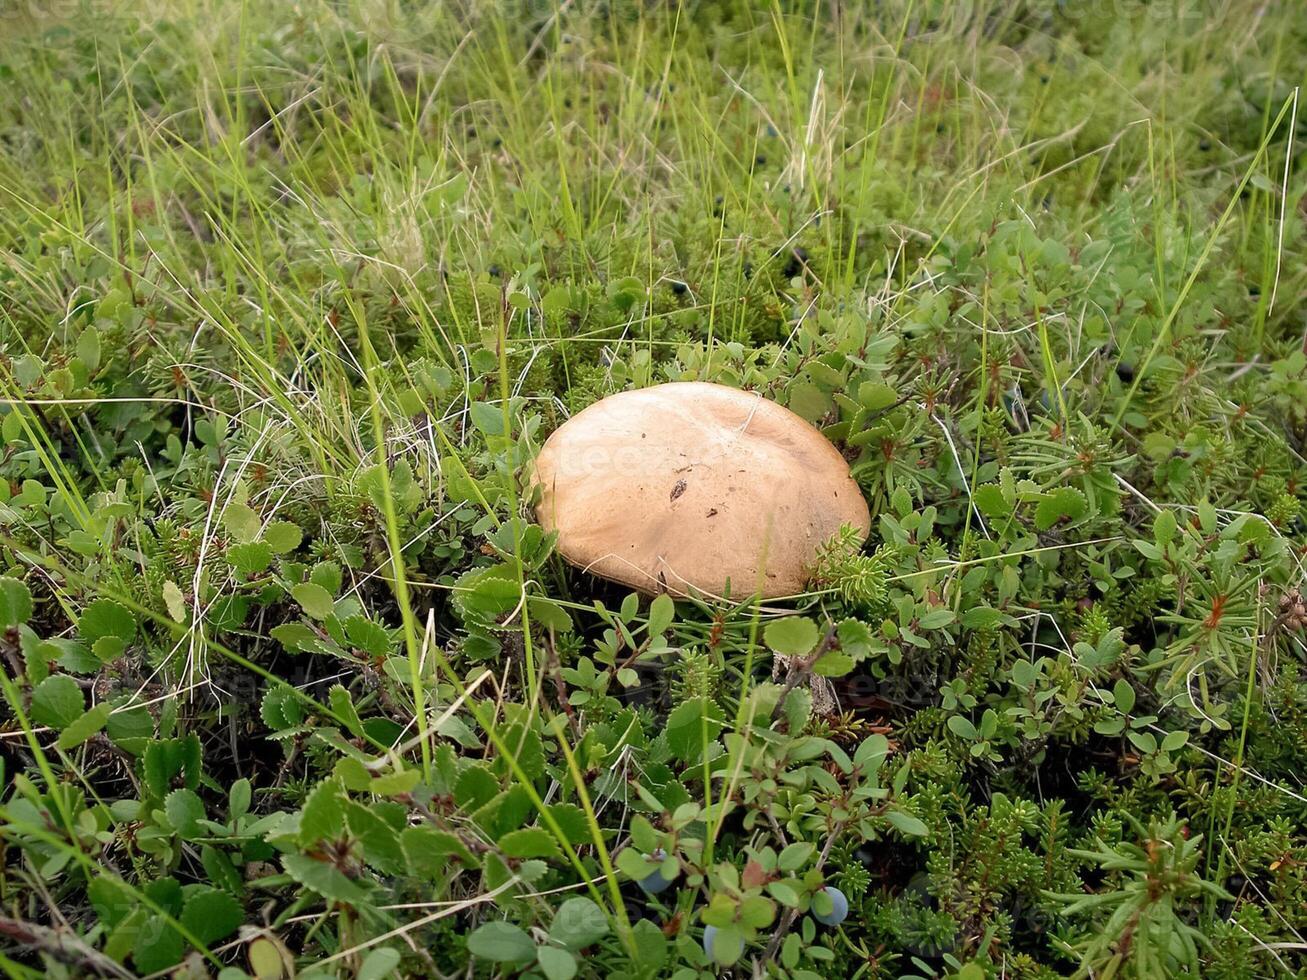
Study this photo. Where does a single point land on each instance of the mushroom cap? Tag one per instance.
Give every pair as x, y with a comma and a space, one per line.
691, 487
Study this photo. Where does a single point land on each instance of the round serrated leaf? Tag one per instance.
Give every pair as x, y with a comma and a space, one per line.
88, 348
158, 946
104, 617
1060, 506
988, 497
211, 914
15, 602
792, 636
691, 726
528, 842
325, 879
131, 729
185, 810
313, 599
283, 536
836, 663
84, 726
249, 558
242, 522
57, 702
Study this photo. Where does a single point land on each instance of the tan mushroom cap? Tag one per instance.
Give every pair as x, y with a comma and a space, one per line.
686, 487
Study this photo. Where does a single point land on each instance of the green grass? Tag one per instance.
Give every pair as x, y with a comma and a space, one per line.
291, 294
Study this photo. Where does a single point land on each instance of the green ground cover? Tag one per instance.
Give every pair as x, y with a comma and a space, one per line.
290, 295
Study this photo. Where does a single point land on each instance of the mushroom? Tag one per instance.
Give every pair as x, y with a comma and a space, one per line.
695, 488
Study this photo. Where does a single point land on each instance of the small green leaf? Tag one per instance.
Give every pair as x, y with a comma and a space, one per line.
792, 636
484, 594
158, 946
556, 964
241, 522
936, 619
325, 879
265, 960
313, 599
990, 501
57, 702
107, 649
427, 851
88, 348
15, 602
380, 841
11, 428
104, 617
1164, 527
166, 758
184, 809
323, 816
396, 783
784, 893
379, 964
1143, 741
661, 613
327, 574
796, 855
833, 663
249, 558
175, 601
906, 823
728, 945
342, 706
295, 637
239, 798
131, 729
578, 923
1174, 740
280, 708
501, 942
982, 618
962, 727
529, 842
691, 726
367, 636
1123, 695
211, 914
1061, 506
757, 911
283, 536
84, 727
876, 396
809, 401
489, 419
650, 944
1207, 516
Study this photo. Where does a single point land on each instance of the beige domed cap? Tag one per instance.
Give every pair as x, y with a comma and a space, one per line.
686, 487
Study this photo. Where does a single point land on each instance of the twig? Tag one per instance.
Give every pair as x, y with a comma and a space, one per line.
791, 914
799, 668
63, 946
